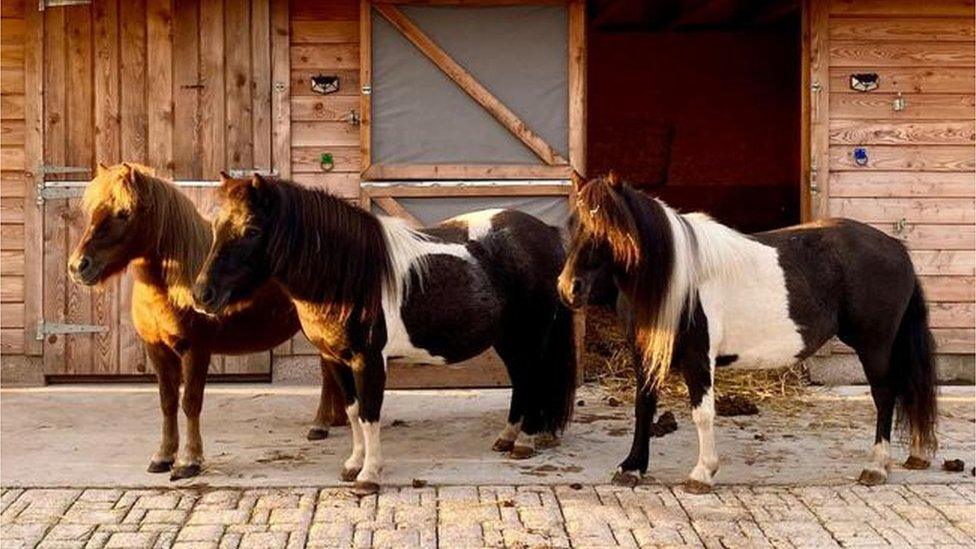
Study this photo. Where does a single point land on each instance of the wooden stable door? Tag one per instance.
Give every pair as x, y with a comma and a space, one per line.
183, 86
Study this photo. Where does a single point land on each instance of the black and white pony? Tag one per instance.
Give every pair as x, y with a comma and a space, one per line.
370, 288
701, 294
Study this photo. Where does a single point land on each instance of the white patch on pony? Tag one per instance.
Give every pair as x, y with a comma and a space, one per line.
704, 418
742, 291
355, 460
409, 251
373, 463
479, 223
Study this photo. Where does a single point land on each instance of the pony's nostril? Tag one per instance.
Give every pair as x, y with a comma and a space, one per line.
82, 264
206, 295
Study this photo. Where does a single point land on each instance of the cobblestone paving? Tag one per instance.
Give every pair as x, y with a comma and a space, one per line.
940, 515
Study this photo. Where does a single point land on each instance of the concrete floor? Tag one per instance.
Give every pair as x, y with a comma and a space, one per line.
254, 435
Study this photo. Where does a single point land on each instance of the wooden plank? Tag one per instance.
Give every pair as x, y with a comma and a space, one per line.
333, 56
937, 211
13, 185
134, 147
946, 158
12, 210
12, 288
954, 340
12, 80
12, 133
907, 29
12, 107
906, 8
212, 130
308, 159
12, 237
12, 265
944, 262
105, 300
159, 68
331, 108
817, 182
237, 85
281, 97
902, 184
13, 8
261, 83
12, 315
324, 134
849, 53
952, 315
366, 77
301, 81
931, 237
484, 370
391, 206
873, 105
334, 10
12, 341
909, 79
187, 161
472, 189
325, 32
12, 159
577, 85
465, 171
949, 288
863, 132
470, 85
34, 149
344, 185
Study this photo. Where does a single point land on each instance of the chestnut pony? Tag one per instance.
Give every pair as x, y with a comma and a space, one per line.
369, 288
140, 221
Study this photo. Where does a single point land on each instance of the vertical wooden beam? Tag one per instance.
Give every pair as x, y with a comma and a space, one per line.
33, 152
237, 84
577, 85
281, 95
366, 82
187, 161
261, 77
804, 175
159, 67
819, 90
105, 303
212, 129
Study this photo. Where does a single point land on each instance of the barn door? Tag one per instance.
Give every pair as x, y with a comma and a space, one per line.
183, 86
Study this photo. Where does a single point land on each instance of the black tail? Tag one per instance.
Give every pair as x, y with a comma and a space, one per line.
556, 382
914, 369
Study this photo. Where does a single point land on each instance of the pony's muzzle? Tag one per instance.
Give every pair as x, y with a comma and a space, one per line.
205, 298
82, 270
572, 293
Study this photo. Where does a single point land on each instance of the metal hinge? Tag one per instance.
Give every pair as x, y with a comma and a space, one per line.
53, 190
241, 173
367, 89
814, 176
57, 328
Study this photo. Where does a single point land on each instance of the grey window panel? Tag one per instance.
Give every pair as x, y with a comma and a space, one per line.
553, 210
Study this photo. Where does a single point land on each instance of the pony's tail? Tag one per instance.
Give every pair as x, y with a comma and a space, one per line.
913, 368
556, 384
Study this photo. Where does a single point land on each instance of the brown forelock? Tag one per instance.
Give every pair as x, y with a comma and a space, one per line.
636, 228
327, 251
178, 235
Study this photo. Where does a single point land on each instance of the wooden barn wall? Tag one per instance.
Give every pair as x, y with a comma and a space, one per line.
12, 177
919, 177
325, 40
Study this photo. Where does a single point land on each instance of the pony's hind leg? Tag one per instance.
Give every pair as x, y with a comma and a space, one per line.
505, 442
195, 364
631, 469
167, 366
699, 376
876, 367
326, 415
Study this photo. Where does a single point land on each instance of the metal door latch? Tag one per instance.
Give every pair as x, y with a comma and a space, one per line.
45, 329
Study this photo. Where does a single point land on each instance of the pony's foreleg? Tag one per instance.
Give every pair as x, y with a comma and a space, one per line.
195, 364
167, 366
699, 376
369, 370
343, 376
631, 469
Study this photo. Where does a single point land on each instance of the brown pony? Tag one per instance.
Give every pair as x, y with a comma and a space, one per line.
142, 221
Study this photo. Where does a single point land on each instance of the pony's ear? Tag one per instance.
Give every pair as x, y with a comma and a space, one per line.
578, 181
614, 180
128, 174
225, 179
259, 182
100, 168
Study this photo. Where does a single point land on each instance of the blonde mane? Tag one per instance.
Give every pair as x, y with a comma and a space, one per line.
179, 235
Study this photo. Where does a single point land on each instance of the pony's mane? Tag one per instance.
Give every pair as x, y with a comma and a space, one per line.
663, 256
180, 236
330, 252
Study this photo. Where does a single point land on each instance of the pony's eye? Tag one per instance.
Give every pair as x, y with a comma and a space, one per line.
252, 232
122, 215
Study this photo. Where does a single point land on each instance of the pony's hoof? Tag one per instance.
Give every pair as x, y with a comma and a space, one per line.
697, 487
626, 478
185, 471
503, 445
160, 466
546, 440
365, 488
872, 477
317, 433
349, 474
917, 463
520, 451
